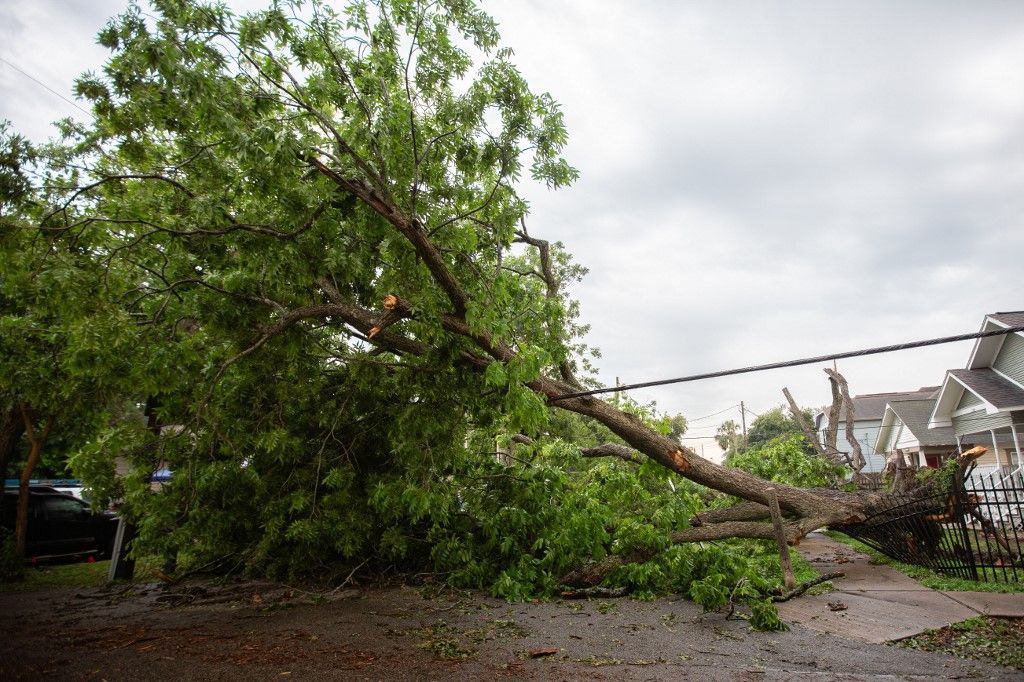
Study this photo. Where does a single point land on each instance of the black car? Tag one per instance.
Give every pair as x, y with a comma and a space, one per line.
60, 526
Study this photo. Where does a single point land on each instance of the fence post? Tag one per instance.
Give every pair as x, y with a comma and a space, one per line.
960, 511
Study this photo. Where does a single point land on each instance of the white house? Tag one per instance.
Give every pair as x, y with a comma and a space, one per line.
868, 411
984, 402
905, 427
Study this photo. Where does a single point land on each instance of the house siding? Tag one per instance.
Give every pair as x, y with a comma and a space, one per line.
865, 431
1010, 361
975, 422
968, 399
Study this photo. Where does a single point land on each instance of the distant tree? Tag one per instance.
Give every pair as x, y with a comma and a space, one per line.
784, 459
772, 424
66, 352
677, 426
729, 437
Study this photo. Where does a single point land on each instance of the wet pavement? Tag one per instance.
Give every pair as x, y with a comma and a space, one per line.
875, 603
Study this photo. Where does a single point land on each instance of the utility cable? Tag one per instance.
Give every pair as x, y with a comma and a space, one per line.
713, 414
41, 83
794, 363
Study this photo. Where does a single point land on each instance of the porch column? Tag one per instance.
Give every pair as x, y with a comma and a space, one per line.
959, 445
1016, 445
995, 446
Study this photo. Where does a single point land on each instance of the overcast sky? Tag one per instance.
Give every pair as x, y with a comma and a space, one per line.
761, 181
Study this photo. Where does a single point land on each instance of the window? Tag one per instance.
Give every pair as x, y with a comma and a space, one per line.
63, 508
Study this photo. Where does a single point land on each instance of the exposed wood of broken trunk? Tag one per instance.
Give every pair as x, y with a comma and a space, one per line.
856, 455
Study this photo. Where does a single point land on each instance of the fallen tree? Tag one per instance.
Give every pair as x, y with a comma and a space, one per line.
290, 181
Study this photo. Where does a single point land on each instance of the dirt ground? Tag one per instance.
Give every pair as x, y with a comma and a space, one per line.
259, 631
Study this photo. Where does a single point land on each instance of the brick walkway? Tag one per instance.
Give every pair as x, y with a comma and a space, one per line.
876, 603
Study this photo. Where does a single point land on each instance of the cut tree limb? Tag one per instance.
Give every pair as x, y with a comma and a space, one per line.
780, 538
798, 415
395, 309
614, 450
856, 455
832, 428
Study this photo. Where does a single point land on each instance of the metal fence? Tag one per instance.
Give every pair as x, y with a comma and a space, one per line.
974, 533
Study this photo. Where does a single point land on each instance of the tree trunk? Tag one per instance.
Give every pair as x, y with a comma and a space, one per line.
37, 442
809, 434
11, 428
856, 455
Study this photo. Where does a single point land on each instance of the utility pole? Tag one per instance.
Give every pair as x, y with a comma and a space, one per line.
617, 384
743, 420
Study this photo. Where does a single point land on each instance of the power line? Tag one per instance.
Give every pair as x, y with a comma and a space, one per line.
795, 363
41, 83
713, 414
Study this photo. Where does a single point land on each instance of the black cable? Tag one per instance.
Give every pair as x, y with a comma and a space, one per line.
794, 363
714, 414
39, 82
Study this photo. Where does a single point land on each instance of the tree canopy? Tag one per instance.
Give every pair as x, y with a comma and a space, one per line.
308, 258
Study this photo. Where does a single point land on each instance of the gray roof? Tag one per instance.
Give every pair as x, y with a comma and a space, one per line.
872, 405
915, 415
990, 387
1010, 319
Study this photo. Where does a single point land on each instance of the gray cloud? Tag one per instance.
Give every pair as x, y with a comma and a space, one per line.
761, 181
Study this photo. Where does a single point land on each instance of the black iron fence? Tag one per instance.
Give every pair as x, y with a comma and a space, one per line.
976, 532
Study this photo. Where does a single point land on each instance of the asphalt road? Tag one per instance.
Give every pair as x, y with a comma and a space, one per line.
259, 631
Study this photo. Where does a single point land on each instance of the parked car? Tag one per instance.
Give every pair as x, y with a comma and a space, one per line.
60, 526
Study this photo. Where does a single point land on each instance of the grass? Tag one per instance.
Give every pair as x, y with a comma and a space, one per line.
997, 640
82, 574
928, 577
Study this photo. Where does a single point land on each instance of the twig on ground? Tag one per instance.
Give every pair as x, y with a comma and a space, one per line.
804, 586
587, 592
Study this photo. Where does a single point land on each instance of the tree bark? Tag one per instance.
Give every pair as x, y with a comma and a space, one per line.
832, 427
780, 538
856, 455
614, 450
809, 434
37, 442
12, 426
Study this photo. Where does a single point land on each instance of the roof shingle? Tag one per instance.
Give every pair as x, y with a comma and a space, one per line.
990, 387
1011, 319
915, 415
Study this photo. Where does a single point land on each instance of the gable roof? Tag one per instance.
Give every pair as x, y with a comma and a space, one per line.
993, 389
986, 349
915, 415
870, 406
995, 392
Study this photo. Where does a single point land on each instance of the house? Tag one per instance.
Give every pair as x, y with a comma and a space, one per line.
984, 402
868, 411
905, 427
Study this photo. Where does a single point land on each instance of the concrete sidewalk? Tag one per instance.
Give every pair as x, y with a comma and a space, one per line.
876, 603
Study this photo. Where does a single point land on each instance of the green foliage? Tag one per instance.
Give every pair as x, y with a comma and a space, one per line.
939, 479
729, 437
199, 246
785, 460
773, 424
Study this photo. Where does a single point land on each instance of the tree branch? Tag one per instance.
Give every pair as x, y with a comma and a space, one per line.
614, 450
